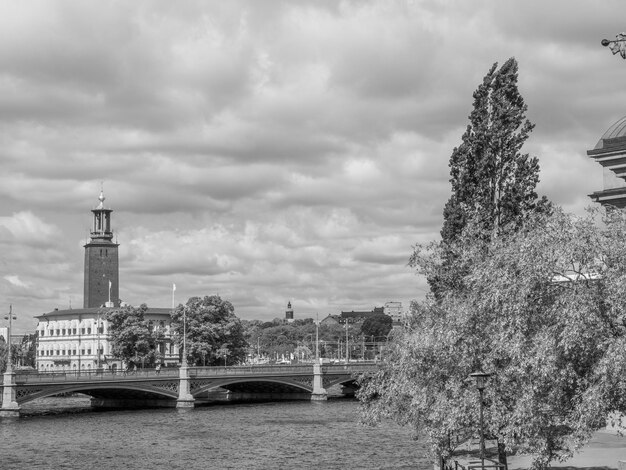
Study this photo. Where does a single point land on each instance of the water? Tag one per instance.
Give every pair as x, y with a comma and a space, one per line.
285, 435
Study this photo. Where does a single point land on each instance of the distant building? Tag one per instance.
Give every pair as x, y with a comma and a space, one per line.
394, 310
330, 320
352, 316
610, 152
289, 313
78, 339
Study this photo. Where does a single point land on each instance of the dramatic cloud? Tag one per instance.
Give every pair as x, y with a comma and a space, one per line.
271, 151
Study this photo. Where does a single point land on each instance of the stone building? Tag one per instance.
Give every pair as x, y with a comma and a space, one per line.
610, 152
78, 339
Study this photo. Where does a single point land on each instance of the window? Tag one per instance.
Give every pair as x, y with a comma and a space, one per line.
82, 331
63, 331
58, 352
73, 331
43, 332
89, 351
101, 329
88, 331
58, 332
63, 352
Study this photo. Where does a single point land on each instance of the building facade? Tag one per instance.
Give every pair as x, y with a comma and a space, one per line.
78, 339
610, 152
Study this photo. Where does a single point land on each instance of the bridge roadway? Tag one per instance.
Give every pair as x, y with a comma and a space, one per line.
181, 387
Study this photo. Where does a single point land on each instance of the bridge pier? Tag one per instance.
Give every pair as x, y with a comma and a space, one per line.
185, 398
10, 408
319, 392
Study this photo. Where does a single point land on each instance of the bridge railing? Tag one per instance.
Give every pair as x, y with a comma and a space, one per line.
354, 368
96, 375
250, 370
93, 375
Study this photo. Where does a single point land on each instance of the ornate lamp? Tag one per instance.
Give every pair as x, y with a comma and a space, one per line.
617, 45
11, 316
480, 380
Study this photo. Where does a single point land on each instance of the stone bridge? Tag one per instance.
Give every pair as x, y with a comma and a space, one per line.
181, 387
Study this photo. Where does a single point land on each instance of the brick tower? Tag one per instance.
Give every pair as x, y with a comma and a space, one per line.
101, 261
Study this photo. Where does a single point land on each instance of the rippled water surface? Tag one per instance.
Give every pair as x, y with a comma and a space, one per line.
285, 435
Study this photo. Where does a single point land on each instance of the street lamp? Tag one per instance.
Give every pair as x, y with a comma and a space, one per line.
480, 380
11, 316
317, 338
616, 45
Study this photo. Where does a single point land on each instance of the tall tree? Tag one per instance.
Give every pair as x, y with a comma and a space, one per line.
376, 325
212, 328
493, 183
545, 312
132, 338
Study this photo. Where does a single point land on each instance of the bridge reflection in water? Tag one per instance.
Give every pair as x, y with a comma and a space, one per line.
182, 387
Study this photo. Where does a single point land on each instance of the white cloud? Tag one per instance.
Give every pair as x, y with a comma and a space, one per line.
25, 227
16, 281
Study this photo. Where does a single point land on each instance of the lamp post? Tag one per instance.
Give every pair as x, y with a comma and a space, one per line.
317, 338
184, 338
98, 334
480, 380
11, 316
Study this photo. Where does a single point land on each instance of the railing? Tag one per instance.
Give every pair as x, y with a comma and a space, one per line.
91, 375
257, 370
355, 367
478, 464
250, 370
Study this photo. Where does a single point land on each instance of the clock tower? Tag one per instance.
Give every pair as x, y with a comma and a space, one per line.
101, 261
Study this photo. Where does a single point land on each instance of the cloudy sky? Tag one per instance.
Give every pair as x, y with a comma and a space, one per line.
271, 151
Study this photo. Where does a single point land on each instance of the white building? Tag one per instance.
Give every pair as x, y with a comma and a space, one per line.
394, 310
78, 339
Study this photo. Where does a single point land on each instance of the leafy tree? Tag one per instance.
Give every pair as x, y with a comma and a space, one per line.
211, 324
133, 340
376, 325
545, 312
493, 183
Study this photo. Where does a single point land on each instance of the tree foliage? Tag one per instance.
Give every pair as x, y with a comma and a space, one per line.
213, 331
132, 337
376, 325
544, 311
493, 183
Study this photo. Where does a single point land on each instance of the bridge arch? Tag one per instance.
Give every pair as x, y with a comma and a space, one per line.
95, 390
254, 384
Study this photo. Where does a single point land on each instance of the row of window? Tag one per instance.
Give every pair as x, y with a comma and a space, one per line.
70, 331
70, 352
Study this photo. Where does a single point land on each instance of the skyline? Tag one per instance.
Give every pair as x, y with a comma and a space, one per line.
289, 151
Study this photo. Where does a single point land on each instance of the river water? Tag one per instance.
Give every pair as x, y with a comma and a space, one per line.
60, 433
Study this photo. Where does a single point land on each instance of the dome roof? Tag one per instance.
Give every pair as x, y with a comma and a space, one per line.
616, 130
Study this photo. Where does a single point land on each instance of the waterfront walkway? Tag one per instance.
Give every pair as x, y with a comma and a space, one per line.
603, 452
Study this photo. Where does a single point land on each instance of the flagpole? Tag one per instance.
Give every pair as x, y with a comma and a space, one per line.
184, 360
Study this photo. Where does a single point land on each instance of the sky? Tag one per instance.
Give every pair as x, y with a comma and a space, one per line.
272, 151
